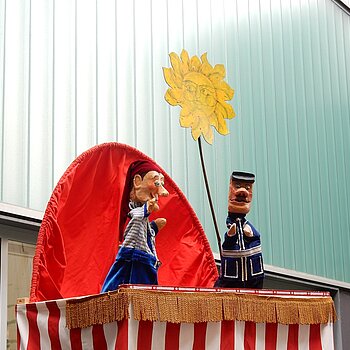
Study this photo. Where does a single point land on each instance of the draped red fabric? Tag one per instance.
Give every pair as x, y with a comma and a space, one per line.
78, 237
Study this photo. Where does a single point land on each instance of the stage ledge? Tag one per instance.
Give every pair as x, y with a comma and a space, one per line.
194, 305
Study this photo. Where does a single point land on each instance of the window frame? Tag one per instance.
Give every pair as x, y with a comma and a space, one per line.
16, 224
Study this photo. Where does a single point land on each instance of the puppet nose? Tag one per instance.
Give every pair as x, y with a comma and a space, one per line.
162, 192
242, 192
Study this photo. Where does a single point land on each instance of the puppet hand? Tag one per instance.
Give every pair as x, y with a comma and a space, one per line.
248, 232
152, 205
160, 222
232, 231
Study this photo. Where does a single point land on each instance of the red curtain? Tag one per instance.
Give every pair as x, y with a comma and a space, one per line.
78, 237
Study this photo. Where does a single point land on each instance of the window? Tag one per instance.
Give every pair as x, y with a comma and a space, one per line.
18, 234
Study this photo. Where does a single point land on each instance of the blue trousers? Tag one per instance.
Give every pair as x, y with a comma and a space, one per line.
132, 266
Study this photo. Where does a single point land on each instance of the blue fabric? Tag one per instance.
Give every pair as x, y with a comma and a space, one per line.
243, 272
132, 266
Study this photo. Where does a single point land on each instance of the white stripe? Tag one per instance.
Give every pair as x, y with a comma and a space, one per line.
304, 337
327, 336
241, 253
158, 335
186, 336
86, 338
63, 331
110, 331
239, 335
42, 321
213, 335
282, 336
159, 329
23, 325
133, 330
260, 336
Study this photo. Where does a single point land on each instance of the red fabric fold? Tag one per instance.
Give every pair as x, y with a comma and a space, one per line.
78, 237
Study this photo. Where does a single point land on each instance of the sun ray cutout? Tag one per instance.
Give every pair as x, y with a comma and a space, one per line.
199, 89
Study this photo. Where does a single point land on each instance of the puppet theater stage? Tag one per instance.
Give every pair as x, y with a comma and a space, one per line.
146, 317
78, 242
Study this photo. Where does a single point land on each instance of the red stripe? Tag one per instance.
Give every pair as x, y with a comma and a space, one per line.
200, 331
315, 337
53, 323
18, 336
293, 335
75, 339
98, 337
271, 336
249, 335
227, 335
34, 335
172, 336
122, 336
144, 337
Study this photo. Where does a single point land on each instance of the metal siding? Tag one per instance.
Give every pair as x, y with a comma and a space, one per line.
15, 103
163, 134
106, 71
2, 82
78, 73
125, 72
40, 102
144, 129
63, 134
301, 174
313, 74
327, 156
86, 74
179, 136
345, 128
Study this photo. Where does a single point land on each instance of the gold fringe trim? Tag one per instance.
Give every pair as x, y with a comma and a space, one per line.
104, 308
193, 307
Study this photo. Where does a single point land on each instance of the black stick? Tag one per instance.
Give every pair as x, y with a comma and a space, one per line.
209, 197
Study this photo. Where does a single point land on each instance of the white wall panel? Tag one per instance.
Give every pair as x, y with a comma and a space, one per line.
64, 88
86, 74
2, 60
126, 131
16, 102
40, 102
144, 120
160, 58
106, 72
178, 136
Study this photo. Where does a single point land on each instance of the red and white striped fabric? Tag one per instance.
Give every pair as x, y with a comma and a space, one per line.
42, 325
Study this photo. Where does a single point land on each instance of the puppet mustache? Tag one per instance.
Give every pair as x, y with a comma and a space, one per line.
241, 199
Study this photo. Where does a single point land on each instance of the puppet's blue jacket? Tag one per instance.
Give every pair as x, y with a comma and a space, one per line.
241, 255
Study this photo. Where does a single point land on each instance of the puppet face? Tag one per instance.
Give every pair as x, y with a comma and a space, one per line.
240, 197
151, 186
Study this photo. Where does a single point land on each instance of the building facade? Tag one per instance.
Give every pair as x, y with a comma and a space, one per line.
75, 74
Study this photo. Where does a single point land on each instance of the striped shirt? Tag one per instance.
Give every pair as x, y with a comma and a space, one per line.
139, 233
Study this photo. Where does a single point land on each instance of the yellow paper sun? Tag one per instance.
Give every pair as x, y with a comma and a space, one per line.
199, 89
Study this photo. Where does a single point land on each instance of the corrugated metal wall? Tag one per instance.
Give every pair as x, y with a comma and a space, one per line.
77, 73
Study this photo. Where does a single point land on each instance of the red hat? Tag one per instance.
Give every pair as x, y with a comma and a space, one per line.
140, 167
